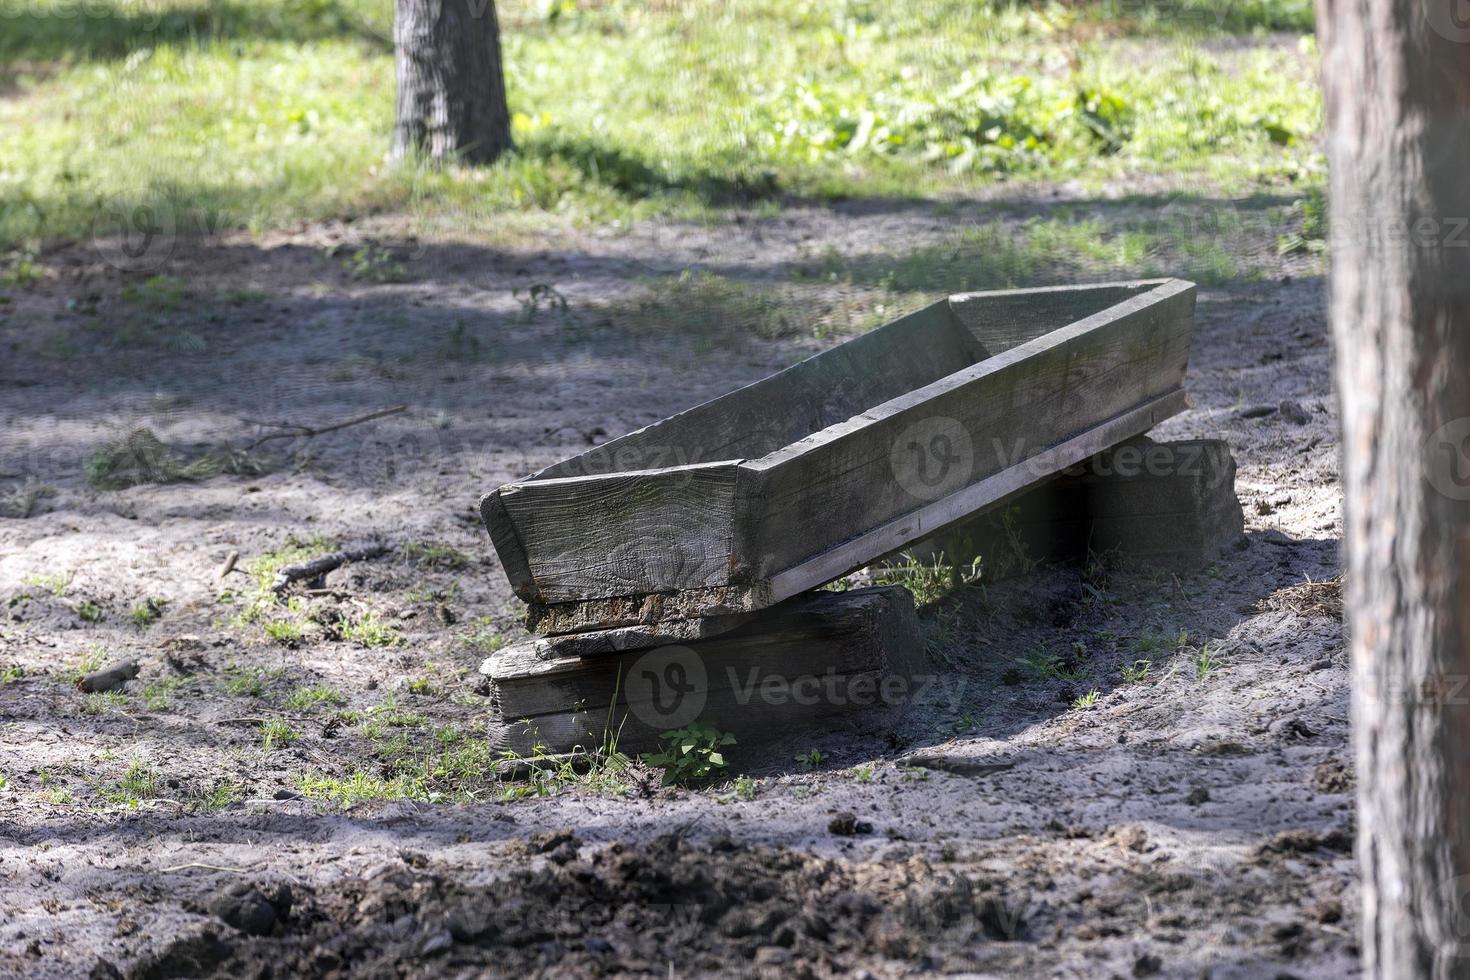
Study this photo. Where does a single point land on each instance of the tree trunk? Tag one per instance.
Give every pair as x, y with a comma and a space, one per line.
1397, 79
451, 92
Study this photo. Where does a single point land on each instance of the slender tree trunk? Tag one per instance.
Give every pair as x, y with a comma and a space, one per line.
451, 91
1397, 79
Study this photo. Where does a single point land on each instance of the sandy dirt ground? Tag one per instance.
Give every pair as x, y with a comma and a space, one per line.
1194, 822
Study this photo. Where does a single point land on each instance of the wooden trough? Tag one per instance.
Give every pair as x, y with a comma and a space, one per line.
681, 529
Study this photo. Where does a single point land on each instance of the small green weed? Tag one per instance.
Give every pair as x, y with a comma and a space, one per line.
275, 734
1206, 665
141, 457
691, 754
147, 612
311, 697
811, 759
1086, 701
284, 631
929, 581
1137, 671
436, 555
370, 631
862, 774
54, 582
158, 694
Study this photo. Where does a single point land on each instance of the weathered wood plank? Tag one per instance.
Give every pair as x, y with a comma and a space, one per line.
821, 662
1008, 411
819, 391
993, 491
626, 533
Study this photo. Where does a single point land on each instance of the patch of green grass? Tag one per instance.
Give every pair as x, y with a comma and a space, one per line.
216, 796
436, 555
862, 774
370, 631
612, 102
275, 734
421, 686
1086, 701
311, 697
928, 581
284, 631
139, 784
1048, 666
157, 695
11, 673
53, 582
259, 600
1149, 642
141, 457
101, 703
91, 660
1206, 664
147, 612
243, 682
1137, 671
158, 294
90, 612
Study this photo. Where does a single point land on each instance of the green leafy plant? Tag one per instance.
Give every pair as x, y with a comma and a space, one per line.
1136, 671
810, 759
310, 697
276, 733
1086, 701
691, 754
1205, 664
147, 612
929, 581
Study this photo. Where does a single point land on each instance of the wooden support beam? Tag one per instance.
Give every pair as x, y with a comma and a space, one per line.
820, 662
1172, 503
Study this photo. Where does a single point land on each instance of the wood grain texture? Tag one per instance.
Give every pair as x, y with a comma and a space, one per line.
625, 533
1012, 410
1397, 101
818, 663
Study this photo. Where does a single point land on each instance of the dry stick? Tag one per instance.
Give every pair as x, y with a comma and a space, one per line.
207, 867
322, 564
307, 431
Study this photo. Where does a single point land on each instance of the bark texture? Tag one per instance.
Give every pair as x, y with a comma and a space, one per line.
1397, 80
451, 89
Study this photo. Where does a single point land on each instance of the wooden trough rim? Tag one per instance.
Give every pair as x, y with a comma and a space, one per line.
1163, 289
1156, 290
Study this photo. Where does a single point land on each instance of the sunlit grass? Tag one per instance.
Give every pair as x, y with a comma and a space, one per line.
264, 112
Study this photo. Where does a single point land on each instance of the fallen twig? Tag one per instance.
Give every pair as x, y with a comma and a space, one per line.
295, 430
322, 564
208, 867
